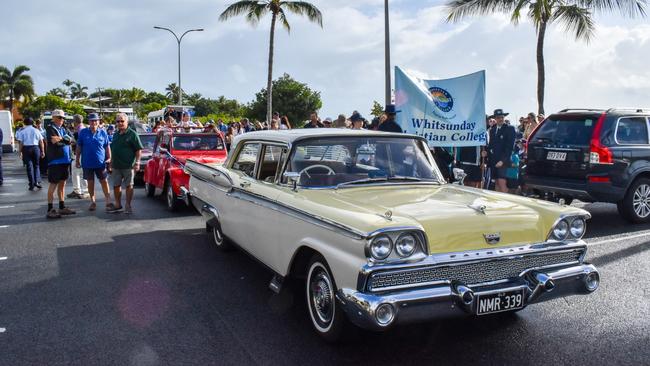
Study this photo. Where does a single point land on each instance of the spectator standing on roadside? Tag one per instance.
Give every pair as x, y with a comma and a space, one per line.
92, 153
390, 125
32, 148
327, 122
246, 125
500, 145
125, 158
79, 184
341, 122
357, 121
222, 126
531, 125
230, 135
58, 169
38, 124
314, 122
284, 123
110, 130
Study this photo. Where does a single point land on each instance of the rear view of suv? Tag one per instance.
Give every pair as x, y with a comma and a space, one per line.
595, 156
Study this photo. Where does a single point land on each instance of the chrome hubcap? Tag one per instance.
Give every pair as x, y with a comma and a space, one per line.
322, 296
170, 196
641, 201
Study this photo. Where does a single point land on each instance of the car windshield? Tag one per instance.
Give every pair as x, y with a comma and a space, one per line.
198, 142
346, 161
148, 141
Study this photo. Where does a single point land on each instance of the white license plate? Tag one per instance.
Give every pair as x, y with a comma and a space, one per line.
555, 155
501, 301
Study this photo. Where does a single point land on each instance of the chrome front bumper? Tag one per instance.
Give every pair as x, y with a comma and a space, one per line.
456, 299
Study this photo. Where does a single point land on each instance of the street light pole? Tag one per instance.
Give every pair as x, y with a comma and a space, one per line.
178, 41
387, 51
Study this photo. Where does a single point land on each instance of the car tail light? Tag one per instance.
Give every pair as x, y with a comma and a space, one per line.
598, 153
599, 180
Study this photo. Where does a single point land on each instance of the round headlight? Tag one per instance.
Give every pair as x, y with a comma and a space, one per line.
381, 247
578, 226
561, 230
405, 245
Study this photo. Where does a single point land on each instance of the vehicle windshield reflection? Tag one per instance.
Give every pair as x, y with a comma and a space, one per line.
347, 161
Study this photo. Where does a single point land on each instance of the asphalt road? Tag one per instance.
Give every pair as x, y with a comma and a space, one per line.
148, 289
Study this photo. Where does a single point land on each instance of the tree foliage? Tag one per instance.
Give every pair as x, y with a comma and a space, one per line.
291, 98
17, 83
48, 103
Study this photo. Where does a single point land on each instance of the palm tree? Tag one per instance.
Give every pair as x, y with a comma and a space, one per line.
256, 9
172, 91
17, 83
78, 91
576, 16
136, 95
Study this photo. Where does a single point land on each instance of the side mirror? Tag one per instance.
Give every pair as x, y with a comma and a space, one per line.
459, 176
292, 178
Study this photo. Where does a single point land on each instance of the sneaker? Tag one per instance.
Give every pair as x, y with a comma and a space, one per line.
114, 209
38, 185
53, 214
66, 211
128, 210
73, 195
31, 188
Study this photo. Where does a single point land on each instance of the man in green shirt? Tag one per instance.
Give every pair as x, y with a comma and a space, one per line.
125, 148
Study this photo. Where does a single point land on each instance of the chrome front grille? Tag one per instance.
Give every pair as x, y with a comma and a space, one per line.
469, 273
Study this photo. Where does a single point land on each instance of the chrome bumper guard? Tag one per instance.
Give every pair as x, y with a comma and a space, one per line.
185, 196
373, 310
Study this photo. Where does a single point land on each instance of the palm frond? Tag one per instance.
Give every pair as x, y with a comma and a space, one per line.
239, 8
516, 12
283, 20
459, 9
256, 13
304, 8
575, 19
629, 8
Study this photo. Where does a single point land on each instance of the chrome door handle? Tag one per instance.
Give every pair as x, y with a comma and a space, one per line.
244, 184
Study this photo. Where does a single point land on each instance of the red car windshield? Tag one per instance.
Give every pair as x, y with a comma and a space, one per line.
198, 143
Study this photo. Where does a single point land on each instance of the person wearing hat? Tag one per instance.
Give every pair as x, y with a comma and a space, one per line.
341, 122
357, 121
30, 144
79, 184
501, 142
390, 125
327, 122
58, 167
92, 153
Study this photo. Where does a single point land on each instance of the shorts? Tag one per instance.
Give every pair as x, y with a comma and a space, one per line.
512, 183
57, 173
91, 173
122, 177
499, 173
473, 172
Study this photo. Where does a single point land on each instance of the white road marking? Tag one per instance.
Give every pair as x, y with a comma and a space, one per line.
600, 242
3, 258
7, 206
2, 330
4, 226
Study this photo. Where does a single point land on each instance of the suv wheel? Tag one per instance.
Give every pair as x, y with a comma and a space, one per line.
635, 207
326, 315
150, 189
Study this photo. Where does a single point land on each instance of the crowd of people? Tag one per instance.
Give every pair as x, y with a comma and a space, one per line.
98, 151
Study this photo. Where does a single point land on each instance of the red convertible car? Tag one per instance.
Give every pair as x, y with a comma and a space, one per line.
164, 171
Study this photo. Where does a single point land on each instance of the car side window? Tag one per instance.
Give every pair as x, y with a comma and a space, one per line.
632, 131
247, 159
271, 162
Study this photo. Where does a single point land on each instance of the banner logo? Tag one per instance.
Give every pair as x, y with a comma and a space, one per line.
442, 99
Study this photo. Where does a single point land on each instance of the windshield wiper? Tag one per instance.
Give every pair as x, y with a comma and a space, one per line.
361, 181
411, 179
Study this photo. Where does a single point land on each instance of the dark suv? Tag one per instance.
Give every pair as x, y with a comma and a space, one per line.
595, 156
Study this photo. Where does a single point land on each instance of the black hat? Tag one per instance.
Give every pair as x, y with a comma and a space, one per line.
499, 112
356, 117
390, 109
28, 121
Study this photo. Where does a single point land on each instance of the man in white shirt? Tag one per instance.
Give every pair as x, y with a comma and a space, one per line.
32, 149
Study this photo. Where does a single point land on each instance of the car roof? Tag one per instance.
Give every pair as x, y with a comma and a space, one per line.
290, 136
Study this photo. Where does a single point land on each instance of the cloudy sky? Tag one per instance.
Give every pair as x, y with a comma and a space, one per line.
113, 44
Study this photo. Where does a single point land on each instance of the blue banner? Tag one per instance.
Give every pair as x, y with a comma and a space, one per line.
447, 112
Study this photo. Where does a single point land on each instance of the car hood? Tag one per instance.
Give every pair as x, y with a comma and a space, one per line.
204, 159
454, 218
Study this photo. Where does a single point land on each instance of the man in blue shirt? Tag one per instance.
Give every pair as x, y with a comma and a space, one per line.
1, 178
58, 167
92, 153
30, 143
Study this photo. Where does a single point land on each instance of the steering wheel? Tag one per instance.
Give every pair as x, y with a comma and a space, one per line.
330, 171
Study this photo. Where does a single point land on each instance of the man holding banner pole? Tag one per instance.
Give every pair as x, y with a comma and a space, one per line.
501, 142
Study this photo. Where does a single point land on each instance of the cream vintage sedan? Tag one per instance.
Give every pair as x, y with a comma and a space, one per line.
366, 220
